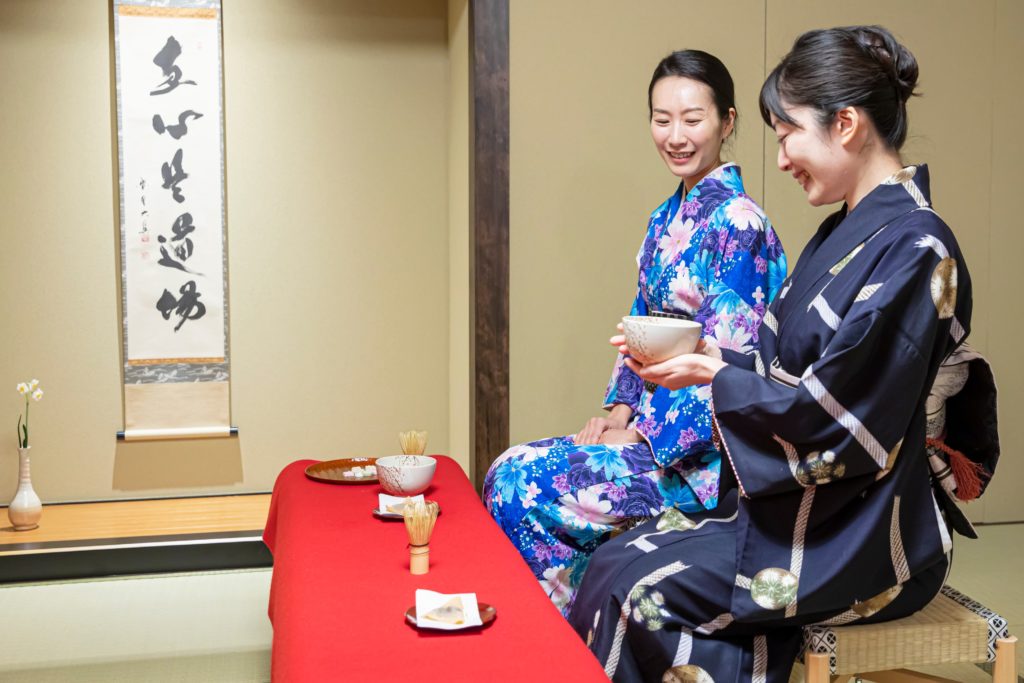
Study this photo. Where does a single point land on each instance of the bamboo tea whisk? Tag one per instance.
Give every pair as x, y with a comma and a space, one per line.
413, 442
419, 522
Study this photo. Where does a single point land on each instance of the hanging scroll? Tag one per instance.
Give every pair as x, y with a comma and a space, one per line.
173, 261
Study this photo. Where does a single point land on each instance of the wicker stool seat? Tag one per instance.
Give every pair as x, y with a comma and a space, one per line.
951, 629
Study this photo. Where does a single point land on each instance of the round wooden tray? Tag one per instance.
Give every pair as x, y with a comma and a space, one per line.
333, 471
487, 614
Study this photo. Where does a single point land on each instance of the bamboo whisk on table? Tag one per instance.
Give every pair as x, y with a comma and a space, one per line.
413, 442
419, 523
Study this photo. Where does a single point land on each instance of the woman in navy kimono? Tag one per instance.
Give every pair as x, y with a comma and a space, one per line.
832, 517
709, 254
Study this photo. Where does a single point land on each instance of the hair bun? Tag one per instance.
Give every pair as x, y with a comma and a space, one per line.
894, 59
847, 66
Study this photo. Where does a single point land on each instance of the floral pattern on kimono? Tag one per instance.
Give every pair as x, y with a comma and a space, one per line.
714, 256
558, 501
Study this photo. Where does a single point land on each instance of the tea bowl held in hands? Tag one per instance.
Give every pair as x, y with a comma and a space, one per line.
653, 340
405, 475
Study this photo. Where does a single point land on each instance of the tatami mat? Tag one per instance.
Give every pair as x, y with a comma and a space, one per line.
209, 626
213, 626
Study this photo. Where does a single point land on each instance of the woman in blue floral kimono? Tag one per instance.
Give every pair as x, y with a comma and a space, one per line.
710, 254
831, 516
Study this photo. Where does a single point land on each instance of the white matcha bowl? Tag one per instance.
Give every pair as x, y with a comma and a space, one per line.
652, 339
405, 475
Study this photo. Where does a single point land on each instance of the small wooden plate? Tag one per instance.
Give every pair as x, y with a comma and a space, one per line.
333, 471
394, 516
487, 614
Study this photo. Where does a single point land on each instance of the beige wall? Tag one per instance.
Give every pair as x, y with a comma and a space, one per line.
336, 135
459, 366
1005, 244
585, 176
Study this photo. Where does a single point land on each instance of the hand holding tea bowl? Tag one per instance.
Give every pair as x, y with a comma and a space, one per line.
654, 339
405, 475
679, 368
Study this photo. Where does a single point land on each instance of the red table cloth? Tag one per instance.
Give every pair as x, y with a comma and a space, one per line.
341, 586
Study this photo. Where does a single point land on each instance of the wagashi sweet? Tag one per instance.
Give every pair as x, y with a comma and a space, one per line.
361, 472
450, 612
398, 508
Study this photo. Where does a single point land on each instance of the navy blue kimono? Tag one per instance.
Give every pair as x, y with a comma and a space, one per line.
833, 517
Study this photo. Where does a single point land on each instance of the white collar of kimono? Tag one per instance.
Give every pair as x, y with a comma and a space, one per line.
901, 176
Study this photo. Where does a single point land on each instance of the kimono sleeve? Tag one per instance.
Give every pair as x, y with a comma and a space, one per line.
851, 408
732, 267
742, 360
625, 386
743, 269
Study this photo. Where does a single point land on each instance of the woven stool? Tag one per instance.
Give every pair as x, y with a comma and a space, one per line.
951, 629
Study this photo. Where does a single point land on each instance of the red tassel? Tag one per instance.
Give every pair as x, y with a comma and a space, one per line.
966, 473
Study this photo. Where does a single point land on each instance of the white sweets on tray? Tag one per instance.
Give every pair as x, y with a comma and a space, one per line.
446, 611
360, 472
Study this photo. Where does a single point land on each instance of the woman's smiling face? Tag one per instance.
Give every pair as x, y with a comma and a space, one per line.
686, 127
808, 153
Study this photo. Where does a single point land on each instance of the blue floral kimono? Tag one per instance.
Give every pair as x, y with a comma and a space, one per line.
712, 256
834, 518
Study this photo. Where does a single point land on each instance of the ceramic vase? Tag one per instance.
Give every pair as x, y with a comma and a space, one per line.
26, 509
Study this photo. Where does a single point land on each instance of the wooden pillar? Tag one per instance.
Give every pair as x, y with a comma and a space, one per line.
489, 245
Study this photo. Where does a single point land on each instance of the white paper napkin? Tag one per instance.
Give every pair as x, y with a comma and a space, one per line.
383, 500
428, 600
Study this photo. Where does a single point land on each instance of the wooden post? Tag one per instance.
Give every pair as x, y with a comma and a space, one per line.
816, 666
1005, 670
489, 250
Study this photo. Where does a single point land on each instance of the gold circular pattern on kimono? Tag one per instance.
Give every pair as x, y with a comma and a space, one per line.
874, 605
890, 461
675, 520
893, 454
687, 673
773, 588
944, 288
819, 468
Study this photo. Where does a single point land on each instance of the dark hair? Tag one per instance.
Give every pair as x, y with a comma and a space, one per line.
851, 66
699, 66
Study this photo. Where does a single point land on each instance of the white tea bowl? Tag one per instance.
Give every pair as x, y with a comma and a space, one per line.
652, 339
405, 475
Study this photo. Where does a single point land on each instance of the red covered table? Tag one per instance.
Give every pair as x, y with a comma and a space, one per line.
341, 585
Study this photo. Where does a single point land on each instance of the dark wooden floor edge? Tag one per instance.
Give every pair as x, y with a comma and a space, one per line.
155, 559
489, 251
165, 539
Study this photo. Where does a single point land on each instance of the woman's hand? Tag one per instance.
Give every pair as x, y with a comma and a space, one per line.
619, 342
674, 373
617, 419
681, 371
619, 437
